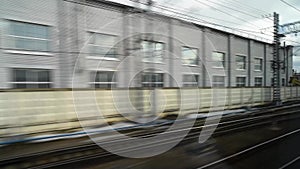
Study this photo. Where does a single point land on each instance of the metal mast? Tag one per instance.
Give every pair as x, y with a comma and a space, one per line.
290, 28
276, 62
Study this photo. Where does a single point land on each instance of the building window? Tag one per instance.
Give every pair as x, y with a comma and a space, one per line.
189, 56
31, 78
258, 82
153, 80
103, 79
240, 81
190, 80
283, 82
240, 62
258, 64
102, 45
28, 36
218, 81
152, 51
218, 59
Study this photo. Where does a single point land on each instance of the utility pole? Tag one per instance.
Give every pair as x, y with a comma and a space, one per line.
139, 36
149, 37
289, 29
276, 62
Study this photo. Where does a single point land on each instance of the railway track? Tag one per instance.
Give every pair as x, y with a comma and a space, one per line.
228, 124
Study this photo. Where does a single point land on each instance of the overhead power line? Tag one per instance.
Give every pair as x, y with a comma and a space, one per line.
239, 11
262, 30
263, 14
195, 19
204, 21
235, 4
292, 6
215, 24
196, 14
249, 7
225, 12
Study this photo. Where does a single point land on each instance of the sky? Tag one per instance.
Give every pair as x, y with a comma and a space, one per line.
251, 15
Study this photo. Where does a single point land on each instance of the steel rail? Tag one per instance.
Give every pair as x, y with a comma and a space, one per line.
234, 122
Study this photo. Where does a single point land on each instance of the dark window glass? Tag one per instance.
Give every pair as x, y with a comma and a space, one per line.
28, 36
152, 51
258, 82
190, 80
44, 86
218, 59
31, 78
152, 80
189, 56
218, 81
258, 64
20, 86
240, 62
20, 76
102, 45
241, 81
43, 76
103, 79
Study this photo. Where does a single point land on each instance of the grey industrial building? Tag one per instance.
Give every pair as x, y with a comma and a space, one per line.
44, 44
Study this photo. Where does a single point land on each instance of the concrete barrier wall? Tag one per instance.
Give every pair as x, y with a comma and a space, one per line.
49, 111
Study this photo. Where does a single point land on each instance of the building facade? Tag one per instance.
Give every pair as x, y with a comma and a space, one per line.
90, 43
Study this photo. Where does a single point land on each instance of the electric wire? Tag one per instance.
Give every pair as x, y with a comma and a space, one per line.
233, 9
222, 11
248, 6
195, 19
197, 14
290, 5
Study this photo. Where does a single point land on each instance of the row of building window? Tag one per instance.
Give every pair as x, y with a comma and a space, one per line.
241, 63
41, 78
31, 78
241, 81
28, 36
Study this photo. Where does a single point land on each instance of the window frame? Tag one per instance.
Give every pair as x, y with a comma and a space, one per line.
197, 56
238, 84
14, 38
255, 81
91, 55
149, 84
283, 82
152, 60
255, 64
245, 61
110, 84
27, 81
214, 61
191, 84
272, 82
223, 83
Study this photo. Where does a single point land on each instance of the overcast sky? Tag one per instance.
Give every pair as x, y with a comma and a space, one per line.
241, 14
